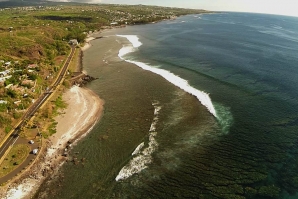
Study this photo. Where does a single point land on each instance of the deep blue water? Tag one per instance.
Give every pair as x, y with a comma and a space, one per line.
248, 63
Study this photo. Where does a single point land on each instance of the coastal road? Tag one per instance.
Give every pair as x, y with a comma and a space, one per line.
12, 139
24, 164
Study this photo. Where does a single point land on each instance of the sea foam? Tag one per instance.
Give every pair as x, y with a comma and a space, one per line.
134, 40
142, 158
174, 79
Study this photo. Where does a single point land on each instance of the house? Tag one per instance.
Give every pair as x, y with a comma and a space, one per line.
17, 102
7, 63
31, 71
73, 42
3, 102
8, 86
27, 82
4, 73
31, 66
2, 79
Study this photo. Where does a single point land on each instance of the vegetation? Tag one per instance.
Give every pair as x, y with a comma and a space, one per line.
34, 45
16, 156
59, 103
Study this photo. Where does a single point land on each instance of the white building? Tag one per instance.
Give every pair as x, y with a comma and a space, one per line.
3, 102
73, 42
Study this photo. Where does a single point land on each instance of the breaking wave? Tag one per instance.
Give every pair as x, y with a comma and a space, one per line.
174, 79
142, 158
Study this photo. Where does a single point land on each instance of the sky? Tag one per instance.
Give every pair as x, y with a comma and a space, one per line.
281, 7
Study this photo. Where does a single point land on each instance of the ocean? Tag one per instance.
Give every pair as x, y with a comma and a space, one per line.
206, 108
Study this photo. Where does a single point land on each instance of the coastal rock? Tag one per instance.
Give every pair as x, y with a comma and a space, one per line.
82, 79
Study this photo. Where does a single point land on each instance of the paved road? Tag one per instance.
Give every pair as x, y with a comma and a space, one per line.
23, 164
34, 107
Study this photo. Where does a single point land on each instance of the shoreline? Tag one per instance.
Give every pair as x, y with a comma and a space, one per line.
28, 185
130, 93
84, 110
51, 158
87, 43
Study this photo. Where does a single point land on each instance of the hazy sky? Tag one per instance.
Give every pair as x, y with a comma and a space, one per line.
283, 7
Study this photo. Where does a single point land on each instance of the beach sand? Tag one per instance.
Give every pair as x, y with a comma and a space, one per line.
84, 109
87, 43
129, 93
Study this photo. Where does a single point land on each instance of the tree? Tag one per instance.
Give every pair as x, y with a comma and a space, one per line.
11, 93
3, 107
16, 115
12, 80
32, 76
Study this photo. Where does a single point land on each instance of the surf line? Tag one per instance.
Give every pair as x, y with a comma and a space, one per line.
142, 158
183, 84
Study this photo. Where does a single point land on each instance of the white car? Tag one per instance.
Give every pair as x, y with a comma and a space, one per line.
35, 151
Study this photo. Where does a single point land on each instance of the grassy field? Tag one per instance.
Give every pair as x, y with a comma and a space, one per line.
15, 157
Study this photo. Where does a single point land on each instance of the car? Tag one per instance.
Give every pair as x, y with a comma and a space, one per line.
31, 142
35, 151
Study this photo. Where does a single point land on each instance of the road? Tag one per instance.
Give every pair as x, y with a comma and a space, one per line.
34, 107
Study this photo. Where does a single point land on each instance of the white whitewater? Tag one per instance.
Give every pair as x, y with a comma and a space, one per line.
142, 158
174, 79
138, 149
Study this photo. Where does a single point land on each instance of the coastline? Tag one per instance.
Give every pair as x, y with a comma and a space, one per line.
84, 110
131, 95
87, 43
57, 143
79, 100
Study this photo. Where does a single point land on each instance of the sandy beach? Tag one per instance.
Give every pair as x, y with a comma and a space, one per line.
87, 43
129, 93
84, 109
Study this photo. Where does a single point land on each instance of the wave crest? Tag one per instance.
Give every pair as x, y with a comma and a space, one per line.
142, 158
202, 96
